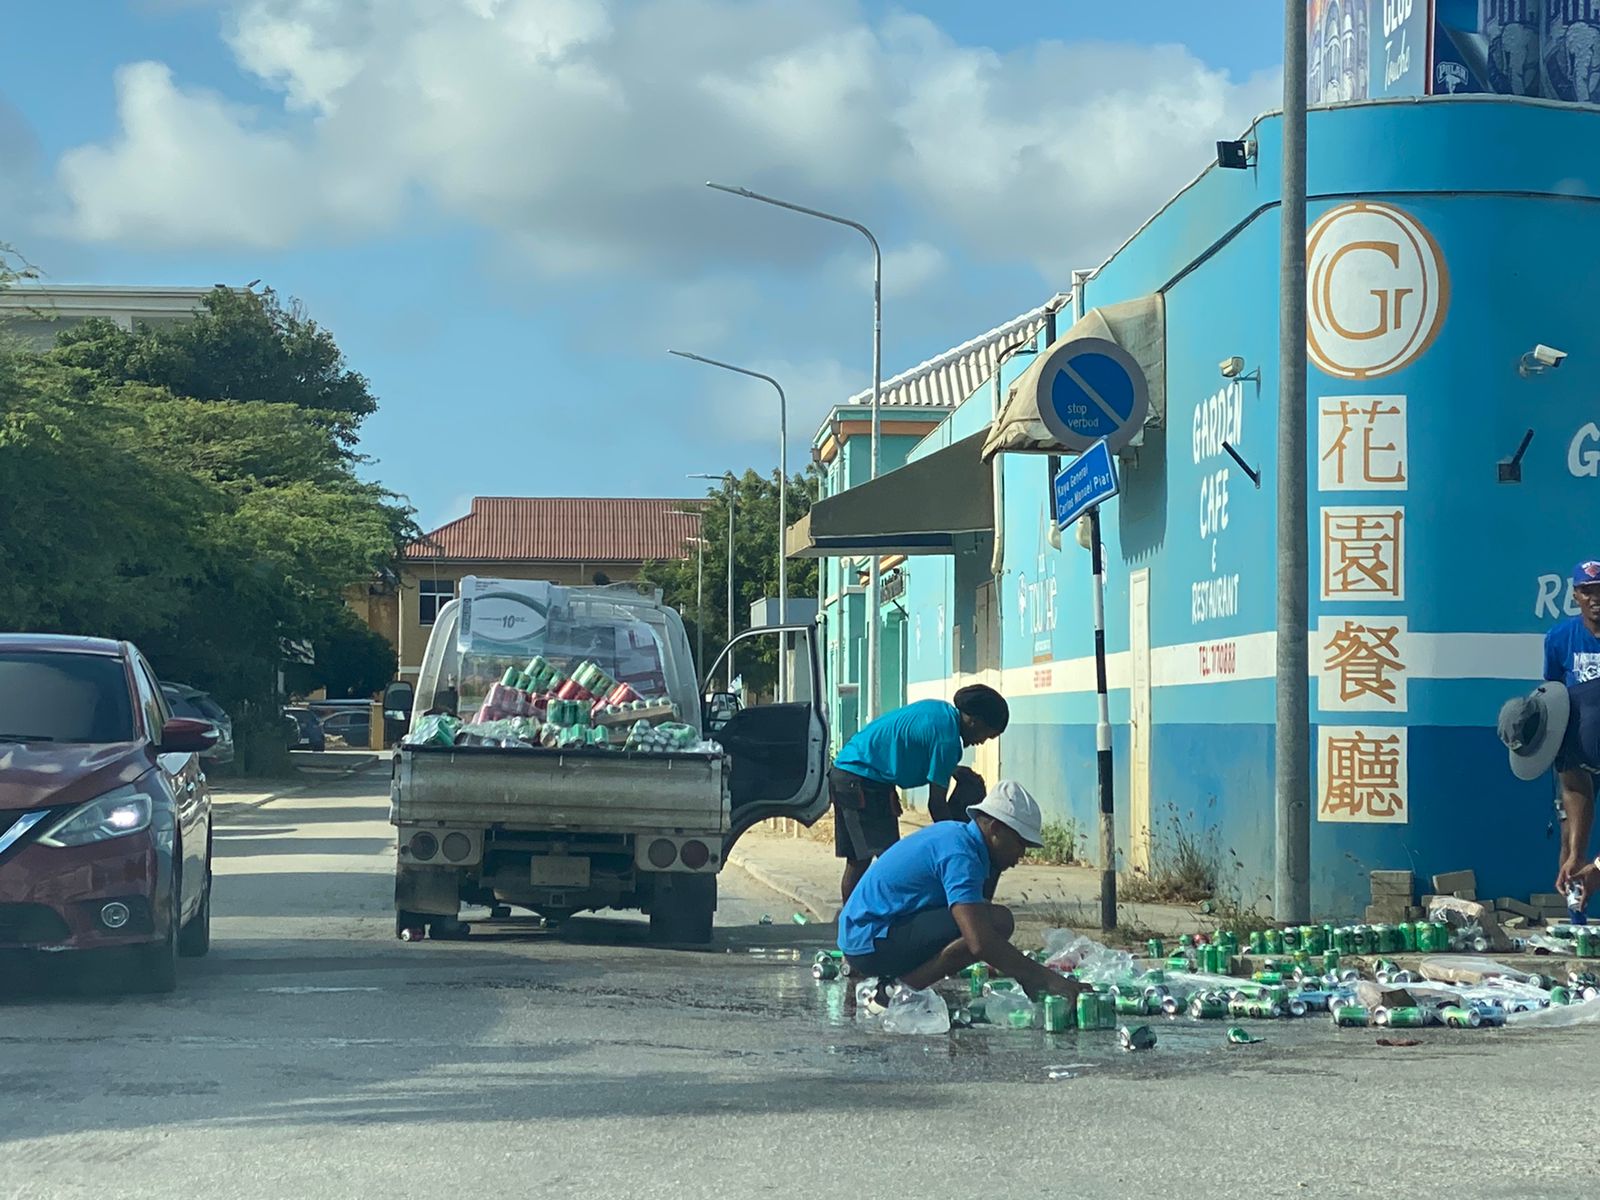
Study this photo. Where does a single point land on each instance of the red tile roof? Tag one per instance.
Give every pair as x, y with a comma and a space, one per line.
541, 529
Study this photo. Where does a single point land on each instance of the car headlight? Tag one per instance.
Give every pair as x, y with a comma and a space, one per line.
114, 815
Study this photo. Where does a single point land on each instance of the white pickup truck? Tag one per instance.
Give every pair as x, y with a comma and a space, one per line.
563, 830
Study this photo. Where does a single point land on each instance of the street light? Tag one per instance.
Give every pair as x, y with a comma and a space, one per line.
699, 597
783, 506
873, 588
727, 479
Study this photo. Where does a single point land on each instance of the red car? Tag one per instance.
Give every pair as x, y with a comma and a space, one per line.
105, 815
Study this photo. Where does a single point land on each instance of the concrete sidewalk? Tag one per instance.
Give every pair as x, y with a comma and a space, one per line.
240, 795
807, 873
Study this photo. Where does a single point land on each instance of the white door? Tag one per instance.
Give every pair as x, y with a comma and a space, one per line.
1139, 719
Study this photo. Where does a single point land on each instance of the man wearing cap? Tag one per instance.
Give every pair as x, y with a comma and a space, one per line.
1572, 658
919, 745
922, 913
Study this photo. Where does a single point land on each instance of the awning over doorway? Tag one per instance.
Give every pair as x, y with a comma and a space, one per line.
923, 508
1138, 326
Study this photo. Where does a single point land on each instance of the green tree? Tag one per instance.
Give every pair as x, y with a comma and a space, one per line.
242, 346
755, 569
154, 487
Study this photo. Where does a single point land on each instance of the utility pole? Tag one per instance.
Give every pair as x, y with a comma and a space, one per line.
1291, 898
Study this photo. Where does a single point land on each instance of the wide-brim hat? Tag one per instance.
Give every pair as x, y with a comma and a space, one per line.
1011, 805
1533, 728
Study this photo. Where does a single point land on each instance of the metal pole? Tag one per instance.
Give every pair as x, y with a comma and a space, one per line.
783, 505
700, 614
1292, 792
1103, 781
730, 582
874, 604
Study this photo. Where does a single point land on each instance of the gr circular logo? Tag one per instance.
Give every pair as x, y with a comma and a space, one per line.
1377, 290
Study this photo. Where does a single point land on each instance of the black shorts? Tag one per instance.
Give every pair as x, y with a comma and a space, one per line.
864, 820
909, 944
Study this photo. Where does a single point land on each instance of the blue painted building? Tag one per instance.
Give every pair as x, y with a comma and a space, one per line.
1448, 237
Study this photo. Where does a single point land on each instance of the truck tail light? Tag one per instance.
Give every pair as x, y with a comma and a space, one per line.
424, 845
662, 854
695, 855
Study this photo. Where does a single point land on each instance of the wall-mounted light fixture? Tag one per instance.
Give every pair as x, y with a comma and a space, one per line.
1236, 156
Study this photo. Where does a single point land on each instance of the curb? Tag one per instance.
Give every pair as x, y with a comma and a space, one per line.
787, 886
251, 806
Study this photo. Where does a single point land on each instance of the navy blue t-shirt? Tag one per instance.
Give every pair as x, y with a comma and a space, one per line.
1571, 653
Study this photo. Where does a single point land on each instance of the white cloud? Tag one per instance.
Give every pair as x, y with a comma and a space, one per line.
578, 133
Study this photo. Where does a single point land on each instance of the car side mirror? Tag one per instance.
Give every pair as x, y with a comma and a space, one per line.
397, 701
184, 735
720, 709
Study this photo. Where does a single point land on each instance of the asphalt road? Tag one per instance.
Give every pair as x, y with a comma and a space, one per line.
312, 1055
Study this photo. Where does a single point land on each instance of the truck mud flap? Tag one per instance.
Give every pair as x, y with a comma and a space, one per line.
428, 890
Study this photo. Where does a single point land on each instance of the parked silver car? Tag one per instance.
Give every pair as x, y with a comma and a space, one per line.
186, 701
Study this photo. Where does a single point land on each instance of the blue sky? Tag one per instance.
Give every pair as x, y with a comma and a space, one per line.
497, 205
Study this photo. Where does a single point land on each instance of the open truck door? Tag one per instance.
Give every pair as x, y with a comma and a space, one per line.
778, 751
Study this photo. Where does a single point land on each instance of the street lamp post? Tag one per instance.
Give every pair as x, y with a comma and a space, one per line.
873, 582
699, 598
783, 506
727, 479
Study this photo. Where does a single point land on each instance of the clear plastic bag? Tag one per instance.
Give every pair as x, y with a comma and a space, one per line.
1010, 1010
916, 1013
1567, 1016
1086, 958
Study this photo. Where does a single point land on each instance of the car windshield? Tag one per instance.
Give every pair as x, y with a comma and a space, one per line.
64, 697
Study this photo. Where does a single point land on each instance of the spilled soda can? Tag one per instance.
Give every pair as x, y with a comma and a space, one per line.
1560, 996
1461, 1018
1057, 1014
826, 969
1239, 1036
1141, 1037
1348, 1016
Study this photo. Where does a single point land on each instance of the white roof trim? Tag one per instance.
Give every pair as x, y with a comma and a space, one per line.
949, 378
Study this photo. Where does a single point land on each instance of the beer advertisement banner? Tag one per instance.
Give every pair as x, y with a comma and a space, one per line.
1367, 49
1570, 45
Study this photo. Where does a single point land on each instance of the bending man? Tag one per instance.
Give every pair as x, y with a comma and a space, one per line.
920, 744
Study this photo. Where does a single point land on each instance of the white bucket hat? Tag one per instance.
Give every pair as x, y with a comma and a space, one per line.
1533, 728
1010, 804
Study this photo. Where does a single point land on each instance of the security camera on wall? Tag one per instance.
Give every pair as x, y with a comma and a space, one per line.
1231, 368
1540, 359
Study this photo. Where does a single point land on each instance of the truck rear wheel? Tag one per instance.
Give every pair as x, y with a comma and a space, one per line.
682, 907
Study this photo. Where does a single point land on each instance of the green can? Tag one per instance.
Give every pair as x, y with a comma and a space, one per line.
1403, 1018
1291, 940
1274, 941
1238, 1036
1132, 1006
1408, 936
1560, 996
1351, 1016
1423, 932
1154, 949
1330, 960
978, 975
1441, 937
1260, 1010
1258, 942
825, 969
1461, 1018
1586, 946
1096, 1011
1208, 1008
1343, 941
1057, 1014
1268, 978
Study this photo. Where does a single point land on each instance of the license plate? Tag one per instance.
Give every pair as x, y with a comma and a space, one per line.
560, 870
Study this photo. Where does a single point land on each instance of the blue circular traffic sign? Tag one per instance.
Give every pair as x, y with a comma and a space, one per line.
1089, 389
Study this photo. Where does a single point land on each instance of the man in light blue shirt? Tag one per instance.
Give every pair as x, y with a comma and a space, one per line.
922, 911
919, 745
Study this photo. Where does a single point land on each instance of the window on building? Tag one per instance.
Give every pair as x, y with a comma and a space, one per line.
432, 595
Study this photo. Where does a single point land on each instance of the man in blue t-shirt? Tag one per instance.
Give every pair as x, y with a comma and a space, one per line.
922, 912
1572, 657
919, 745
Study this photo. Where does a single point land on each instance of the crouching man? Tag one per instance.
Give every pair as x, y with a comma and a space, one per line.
923, 911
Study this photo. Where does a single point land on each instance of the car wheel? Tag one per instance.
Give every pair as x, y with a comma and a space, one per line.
155, 967
195, 940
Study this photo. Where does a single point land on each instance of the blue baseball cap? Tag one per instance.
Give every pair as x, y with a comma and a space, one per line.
1586, 574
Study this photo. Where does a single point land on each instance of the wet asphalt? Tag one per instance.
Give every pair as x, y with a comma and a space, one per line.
313, 1055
